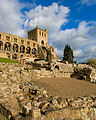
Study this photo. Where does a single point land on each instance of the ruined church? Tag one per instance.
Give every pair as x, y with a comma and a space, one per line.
35, 47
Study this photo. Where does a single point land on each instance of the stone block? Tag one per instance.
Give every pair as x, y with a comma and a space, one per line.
36, 114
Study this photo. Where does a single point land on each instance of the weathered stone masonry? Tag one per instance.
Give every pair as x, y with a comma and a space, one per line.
18, 94
36, 46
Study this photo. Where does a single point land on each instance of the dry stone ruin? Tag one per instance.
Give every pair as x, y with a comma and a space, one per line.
58, 69
21, 99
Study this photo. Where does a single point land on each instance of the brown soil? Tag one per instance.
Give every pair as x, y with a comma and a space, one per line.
67, 87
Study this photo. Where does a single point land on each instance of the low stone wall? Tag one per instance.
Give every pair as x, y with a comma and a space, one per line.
54, 69
19, 72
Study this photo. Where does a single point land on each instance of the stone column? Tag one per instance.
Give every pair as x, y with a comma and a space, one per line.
11, 56
18, 49
11, 48
3, 46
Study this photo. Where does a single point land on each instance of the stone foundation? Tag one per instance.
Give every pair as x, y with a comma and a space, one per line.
25, 100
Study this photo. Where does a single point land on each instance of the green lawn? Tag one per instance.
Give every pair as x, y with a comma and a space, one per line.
6, 60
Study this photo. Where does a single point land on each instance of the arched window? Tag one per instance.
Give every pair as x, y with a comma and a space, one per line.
14, 56
7, 46
1, 45
42, 42
45, 52
28, 49
21, 56
34, 51
40, 33
15, 48
22, 49
57, 67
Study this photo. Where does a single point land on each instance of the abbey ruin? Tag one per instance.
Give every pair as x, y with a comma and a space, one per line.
35, 47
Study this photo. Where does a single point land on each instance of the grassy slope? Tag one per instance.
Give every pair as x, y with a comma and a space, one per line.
7, 60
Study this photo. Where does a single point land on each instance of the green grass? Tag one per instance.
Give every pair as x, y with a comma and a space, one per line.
6, 60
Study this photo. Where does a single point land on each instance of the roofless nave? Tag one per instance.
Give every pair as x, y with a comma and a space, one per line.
35, 47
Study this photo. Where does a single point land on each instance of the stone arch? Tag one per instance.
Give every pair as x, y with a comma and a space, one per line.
56, 67
8, 55
1, 45
44, 48
28, 50
22, 49
45, 52
15, 48
34, 51
42, 42
21, 56
7, 46
14, 56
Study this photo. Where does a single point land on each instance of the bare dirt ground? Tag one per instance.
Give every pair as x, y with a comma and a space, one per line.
67, 87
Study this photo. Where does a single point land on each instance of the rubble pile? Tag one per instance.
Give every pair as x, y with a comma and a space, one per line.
82, 74
21, 99
85, 72
37, 104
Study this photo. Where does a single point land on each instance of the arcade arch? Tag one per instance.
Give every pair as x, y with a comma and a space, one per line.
34, 51
22, 49
14, 56
7, 46
28, 50
15, 48
1, 45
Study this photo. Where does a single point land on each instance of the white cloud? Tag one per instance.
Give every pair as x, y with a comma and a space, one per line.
59, 52
88, 2
77, 53
81, 40
11, 18
51, 17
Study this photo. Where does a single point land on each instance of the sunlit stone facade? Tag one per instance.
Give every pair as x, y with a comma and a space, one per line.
35, 47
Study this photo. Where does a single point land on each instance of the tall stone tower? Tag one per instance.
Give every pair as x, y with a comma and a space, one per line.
39, 35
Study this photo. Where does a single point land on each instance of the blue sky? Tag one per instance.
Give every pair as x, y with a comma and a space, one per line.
68, 22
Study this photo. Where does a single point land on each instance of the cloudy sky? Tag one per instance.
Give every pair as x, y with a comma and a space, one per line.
70, 22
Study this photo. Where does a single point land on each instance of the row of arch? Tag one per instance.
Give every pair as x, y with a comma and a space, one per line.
16, 48
14, 56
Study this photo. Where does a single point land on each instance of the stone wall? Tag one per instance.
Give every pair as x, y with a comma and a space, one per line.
85, 72
24, 100
50, 70
19, 48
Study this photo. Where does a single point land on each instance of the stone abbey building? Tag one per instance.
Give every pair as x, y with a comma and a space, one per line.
35, 47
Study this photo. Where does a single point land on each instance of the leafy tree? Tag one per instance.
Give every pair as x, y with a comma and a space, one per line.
68, 54
92, 61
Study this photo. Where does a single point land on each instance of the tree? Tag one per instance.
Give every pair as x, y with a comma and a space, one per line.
68, 54
92, 61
